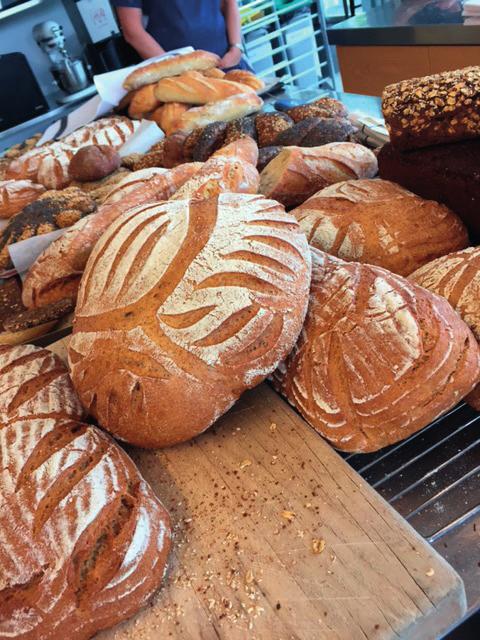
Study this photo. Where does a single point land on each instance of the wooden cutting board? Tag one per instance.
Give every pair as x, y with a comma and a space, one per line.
277, 538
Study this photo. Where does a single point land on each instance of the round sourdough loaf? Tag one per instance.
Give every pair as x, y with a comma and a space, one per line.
378, 358
378, 222
84, 539
456, 277
183, 306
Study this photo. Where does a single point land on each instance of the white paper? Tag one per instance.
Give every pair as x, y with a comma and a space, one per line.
147, 134
25, 252
110, 85
98, 18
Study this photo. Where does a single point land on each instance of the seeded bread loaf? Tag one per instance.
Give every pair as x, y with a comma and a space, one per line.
456, 277
57, 271
297, 173
447, 173
85, 540
204, 298
378, 357
321, 108
378, 222
444, 107
314, 132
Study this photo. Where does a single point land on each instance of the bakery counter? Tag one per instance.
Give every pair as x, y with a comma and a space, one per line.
404, 39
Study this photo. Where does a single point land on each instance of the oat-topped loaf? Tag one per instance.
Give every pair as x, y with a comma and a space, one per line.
440, 108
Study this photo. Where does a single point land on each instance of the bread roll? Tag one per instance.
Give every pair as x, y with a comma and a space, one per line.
443, 107
456, 277
93, 162
245, 77
378, 358
220, 175
297, 173
224, 110
378, 222
270, 125
167, 116
174, 66
143, 102
85, 540
197, 89
321, 108
57, 271
241, 128
199, 301
16, 194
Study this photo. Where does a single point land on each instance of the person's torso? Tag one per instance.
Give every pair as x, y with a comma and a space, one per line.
179, 23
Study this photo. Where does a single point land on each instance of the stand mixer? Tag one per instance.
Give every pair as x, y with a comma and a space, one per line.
69, 73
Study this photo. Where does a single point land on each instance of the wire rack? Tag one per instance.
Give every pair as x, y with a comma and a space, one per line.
286, 40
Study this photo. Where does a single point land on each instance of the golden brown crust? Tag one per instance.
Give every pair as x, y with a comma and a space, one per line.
322, 108
214, 72
143, 102
245, 77
16, 194
93, 162
168, 115
197, 60
378, 358
197, 89
224, 110
378, 222
209, 319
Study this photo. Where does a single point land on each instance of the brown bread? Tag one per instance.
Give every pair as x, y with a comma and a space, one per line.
168, 115
93, 162
314, 132
199, 301
16, 194
143, 102
57, 271
244, 148
378, 222
456, 277
85, 540
378, 358
270, 125
297, 173
322, 108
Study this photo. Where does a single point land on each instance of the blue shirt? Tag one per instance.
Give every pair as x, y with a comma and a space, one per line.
180, 23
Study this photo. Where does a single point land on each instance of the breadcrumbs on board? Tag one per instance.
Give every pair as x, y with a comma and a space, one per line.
318, 545
288, 515
273, 427
245, 463
430, 572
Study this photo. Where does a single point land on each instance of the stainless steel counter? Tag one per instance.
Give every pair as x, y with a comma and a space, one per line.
412, 22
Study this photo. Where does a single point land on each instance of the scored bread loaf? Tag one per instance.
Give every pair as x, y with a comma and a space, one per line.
245, 77
297, 173
443, 107
143, 102
221, 174
197, 89
56, 273
378, 357
16, 194
456, 277
245, 149
194, 302
84, 539
378, 222
173, 66
167, 116
131, 181
224, 110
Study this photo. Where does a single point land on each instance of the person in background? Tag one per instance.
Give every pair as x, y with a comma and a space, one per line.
212, 25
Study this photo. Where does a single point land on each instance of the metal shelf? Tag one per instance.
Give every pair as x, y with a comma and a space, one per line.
24, 6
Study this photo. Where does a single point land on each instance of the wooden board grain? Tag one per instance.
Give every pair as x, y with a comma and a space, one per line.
277, 538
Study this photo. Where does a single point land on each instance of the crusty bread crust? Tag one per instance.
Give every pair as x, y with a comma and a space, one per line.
196, 60
84, 539
194, 301
378, 222
236, 106
16, 194
197, 89
378, 357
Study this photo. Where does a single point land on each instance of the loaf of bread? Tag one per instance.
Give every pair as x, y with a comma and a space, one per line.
213, 72
245, 77
266, 155
168, 115
270, 125
143, 102
199, 301
434, 109
131, 181
220, 175
378, 358
225, 110
211, 138
93, 162
16, 194
85, 540
297, 173
456, 277
51, 211
197, 89
447, 173
241, 128
57, 271
113, 131
315, 132
174, 66
321, 108
245, 149
378, 222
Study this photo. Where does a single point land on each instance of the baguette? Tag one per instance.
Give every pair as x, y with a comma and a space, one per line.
143, 101
57, 271
167, 116
174, 66
224, 110
297, 173
197, 89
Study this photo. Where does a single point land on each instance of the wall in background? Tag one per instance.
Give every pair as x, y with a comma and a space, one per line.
16, 35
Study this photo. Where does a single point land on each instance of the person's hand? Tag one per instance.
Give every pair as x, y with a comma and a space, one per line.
231, 58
